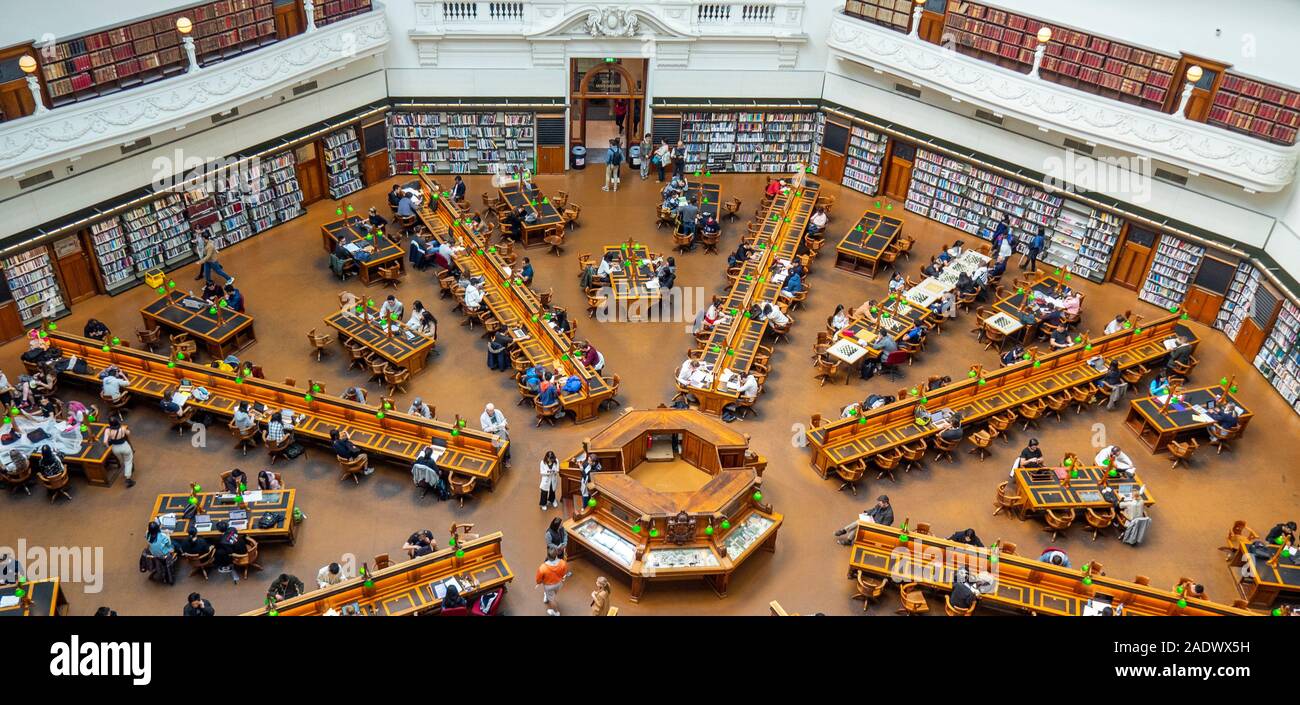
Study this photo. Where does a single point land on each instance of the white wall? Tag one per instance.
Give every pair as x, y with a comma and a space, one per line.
29, 21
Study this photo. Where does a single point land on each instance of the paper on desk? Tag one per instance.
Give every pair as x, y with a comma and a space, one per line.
254, 496
8, 601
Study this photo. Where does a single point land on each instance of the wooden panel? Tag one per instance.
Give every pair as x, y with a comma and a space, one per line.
831, 166
550, 160
1202, 305
1131, 265
75, 269
1249, 339
11, 326
898, 178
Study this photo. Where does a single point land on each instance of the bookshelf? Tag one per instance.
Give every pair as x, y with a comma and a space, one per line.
1238, 301
1279, 359
158, 233
230, 209
1257, 109
1082, 238
459, 142
330, 11
864, 159
1172, 268
1098, 245
113, 254
965, 197
894, 14
750, 142
343, 162
34, 286
1080, 60
271, 195
141, 52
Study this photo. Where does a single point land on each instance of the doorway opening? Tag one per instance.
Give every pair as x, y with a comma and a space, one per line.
608, 99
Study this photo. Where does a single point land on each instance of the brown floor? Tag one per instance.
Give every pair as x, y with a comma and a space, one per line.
284, 277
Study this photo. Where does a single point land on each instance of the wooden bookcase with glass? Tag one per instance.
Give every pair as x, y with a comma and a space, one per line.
343, 162
270, 192
751, 142
1173, 266
963, 196
460, 142
34, 285
1279, 357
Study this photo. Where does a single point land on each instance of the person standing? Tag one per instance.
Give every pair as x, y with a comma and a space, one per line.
498, 347
208, 261
550, 470
613, 165
600, 597
551, 575
661, 157
117, 437
556, 539
679, 159
620, 114
1036, 245
647, 146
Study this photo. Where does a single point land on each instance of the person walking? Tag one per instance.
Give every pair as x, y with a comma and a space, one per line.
550, 469
613, 165
1036, 245
117, 436
551, 575
661, 158
208, 261
647, 146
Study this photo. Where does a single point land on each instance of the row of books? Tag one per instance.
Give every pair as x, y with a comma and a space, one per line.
343, 162
1279, 357
34, 286
864, 160
1172, 269
441, 141
763, 142
1238, 300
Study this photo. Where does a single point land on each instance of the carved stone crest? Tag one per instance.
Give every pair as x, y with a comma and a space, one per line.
681, 528
611, 22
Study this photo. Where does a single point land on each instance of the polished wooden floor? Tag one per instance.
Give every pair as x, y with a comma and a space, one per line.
285, 278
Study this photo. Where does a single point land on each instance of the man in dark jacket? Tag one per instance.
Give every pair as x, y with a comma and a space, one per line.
285, 587
881, 513
196, 606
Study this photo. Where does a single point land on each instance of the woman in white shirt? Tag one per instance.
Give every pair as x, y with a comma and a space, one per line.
473, 297
417, 312
550, 470
839, 319
685, 371
1116, 325
775, 315
749, 388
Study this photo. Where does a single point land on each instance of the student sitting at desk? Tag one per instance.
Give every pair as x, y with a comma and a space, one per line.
793, 285
417, 314
1113, 382
242, 419
591, 357
1132, 507
279, 428
881, 513
193, 544
1180, 355
346, 449
473, 295
1055, 556
285, 587
817, 221
235, 482
375, 220
266, 480
1116, 325
96, 329
1012, 356
113, 383
666, 273
1030, 457
390, 308
494, 422
356, 394
1061, 339
1159, 385
1285, 531
774, 187
158, 543
230, 544
964, 595
686, 373
897, 283
943, 257
212, 291
915, 334
946, 305
950, 428
406, 207
560, 321
999, 268
420, 253
968, 537
395, 197
1112, 457
331, 574
884, 343
428, 325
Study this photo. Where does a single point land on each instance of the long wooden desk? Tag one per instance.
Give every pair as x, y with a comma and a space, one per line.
1157, 428
534, 202
401, 349
383, 251
407, 588
860, 250
1022, 584
514, 305
636, 272
218, 331
734, 345
48, 600
218, 507
397, 436
892, 425
93, 458
708, 197
1044, 488
1275, 578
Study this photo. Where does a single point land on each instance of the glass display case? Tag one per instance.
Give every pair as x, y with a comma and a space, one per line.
746, 534
661, 558
607, 542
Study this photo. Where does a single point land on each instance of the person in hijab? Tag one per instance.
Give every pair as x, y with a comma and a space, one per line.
50, 464
453, 598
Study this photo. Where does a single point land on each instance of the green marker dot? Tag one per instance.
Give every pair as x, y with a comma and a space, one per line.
758, 496
636, 528
708, 530
726, 524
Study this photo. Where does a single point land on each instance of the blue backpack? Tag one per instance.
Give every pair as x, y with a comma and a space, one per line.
572, 385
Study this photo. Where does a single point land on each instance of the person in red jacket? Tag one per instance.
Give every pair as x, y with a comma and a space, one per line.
551, 575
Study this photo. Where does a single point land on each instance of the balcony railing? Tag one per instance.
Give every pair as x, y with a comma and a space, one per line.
1249, 163
533, 17
46, 137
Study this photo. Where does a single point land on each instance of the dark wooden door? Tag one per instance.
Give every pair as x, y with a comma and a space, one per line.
1249, 339
1202, 305
311, 173
898, 178
75, 269
1134, 258
831, 166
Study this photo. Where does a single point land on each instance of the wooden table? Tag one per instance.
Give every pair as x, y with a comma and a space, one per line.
1012, 305
219, 505
48, 600
93, 458
1021, 584
734, 345
402, 348
860, 250
1044, 488
708, 197
1275, 578
534, 202
514, 305
398, 437
893, 425
220, 333
1003, 323
408, 588
635, 280
384, 251
1157, 428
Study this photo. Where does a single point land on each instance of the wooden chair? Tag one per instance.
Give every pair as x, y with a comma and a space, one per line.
183, 347
461, 487
391, 275
1184, 369
199, 563
850, 473
905, 244
913, 600
378, 367
682, 242
1134, 375
826, 368
887, 463
1058, 521
21, 477
953, 611
319, 342
1031, 412
731, 209
181, 422
870, 588
352, 468
149, 338
1057, 404
992, 336
980, 442
569, 214
396, 378
667, 217
944, 448
585, 261
56, 485
1002, 423
1099, 519
247, 559
382, 561
1006, 500
780, 332
118, 405
356, 355
560, 200
555, 239
1182, 451
545, 412
1083, 396
277, 451
1238, 536
246, 439
913, 455
710, 242
1221, 440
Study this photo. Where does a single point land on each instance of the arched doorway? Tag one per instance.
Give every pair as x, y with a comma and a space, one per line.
598, 88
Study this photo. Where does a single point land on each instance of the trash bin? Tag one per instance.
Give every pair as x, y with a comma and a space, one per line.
634, 155
578, 158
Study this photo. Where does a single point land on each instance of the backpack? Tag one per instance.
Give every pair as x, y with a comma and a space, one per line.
616, 157
1036, 243
572, 385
